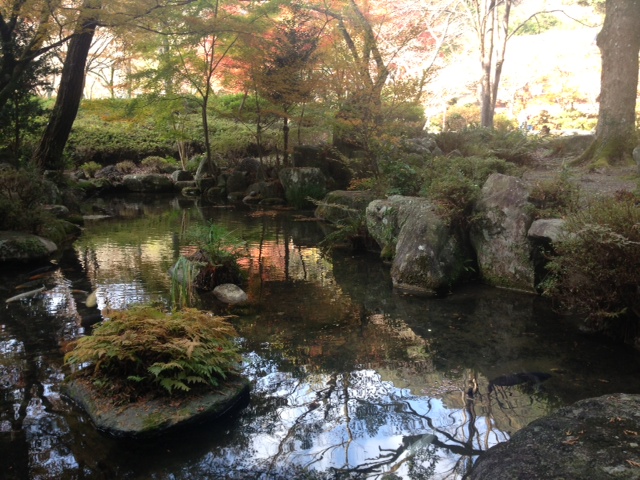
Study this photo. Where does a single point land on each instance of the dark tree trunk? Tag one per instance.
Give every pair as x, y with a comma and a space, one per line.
619, 42
48, 155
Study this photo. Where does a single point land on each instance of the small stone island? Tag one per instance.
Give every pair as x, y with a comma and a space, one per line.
149, 418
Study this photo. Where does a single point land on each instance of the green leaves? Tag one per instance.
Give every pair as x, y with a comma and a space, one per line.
596, 269
144, 350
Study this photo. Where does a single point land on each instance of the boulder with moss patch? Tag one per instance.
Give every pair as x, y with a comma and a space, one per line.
148, 183
500, 235
154, 417
24, 247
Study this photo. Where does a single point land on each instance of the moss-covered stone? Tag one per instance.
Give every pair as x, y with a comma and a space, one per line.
157, 416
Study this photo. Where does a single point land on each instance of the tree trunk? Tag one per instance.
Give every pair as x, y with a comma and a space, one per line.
285, 140
619, 42
48, 155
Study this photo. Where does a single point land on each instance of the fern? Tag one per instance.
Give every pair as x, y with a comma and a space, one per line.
146, 350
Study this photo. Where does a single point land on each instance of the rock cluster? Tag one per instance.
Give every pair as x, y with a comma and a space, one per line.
428, 256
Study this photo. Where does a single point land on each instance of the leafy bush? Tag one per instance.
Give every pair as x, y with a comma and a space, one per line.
126, 166
453, 184
146, 351
596, 269
90, 168
154, 164
511, 145
109, 142
556, 197
22, 193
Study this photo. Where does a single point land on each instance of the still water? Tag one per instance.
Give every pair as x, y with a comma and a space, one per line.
349, 378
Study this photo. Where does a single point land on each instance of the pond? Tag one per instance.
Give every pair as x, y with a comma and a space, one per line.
349, 378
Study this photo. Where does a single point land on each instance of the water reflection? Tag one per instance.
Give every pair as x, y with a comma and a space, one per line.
351, 380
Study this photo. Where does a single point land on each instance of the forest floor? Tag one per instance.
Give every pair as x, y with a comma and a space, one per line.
549, 164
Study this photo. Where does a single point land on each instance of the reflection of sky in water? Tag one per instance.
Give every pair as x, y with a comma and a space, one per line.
352, 423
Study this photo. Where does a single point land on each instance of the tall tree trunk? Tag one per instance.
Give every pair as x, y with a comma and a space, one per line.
285, 140
48, 155
619, 42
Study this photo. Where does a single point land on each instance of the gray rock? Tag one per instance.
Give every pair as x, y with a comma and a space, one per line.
205, 183
181, 176
148, 183
343, 206
58, 211
382, 223
301, 183
500, 236
231, 294
548, 229
332, 167
267, 189
593, 439
155, 417
24, 247
429, 257
237, 181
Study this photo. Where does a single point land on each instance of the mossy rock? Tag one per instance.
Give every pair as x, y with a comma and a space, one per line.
24, 247
151, 418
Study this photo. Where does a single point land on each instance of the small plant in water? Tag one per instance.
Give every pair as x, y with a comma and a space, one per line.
146, 351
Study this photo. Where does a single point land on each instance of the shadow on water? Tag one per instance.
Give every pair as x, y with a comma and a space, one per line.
350, 379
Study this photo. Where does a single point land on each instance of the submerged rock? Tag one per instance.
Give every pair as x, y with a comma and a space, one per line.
596, 438
157, 416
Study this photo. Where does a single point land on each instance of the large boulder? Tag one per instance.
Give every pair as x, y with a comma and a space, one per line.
24, 247
547, 230
500, 235
302, 183
342, 206
597, 438
428, 257
382, 223
266, 189
148, 183
181, 176
327, 160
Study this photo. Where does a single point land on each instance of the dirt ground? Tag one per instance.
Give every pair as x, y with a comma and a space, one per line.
600, 182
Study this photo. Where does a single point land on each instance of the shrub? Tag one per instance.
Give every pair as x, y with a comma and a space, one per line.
511, 145
555, 198
90, 168
154, 164
453, 184
126, 166
22, 193
146, 351
218, 254
596, 269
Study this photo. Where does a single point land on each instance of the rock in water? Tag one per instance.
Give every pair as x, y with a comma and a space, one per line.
231, 294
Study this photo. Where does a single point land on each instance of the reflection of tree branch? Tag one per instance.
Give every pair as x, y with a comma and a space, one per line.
461, 448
